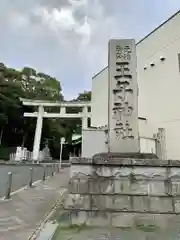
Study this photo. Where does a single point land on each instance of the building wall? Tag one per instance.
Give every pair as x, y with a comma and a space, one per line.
100, 99
93, 142
159, 86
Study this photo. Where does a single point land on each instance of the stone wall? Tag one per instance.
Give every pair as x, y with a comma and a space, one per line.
123, 192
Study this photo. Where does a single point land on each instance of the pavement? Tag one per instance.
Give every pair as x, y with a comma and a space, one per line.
22, 214
20, 175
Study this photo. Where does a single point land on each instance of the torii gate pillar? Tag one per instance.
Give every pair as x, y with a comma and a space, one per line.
38, 131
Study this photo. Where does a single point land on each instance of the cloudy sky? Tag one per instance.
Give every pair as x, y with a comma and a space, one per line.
68, 38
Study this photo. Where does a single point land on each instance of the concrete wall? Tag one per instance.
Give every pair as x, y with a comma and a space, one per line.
93, 142
100, 99
147, 145
158, 85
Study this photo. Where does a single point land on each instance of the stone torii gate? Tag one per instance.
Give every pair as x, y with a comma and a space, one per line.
84, 115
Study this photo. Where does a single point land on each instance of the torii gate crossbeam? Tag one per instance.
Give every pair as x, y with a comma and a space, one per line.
84, 115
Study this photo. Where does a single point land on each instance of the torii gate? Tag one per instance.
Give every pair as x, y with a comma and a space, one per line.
84, 115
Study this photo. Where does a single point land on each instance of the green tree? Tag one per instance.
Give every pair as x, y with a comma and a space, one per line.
85, 96
28, 84
15, 130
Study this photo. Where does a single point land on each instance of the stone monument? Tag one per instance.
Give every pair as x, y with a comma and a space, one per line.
46, 153
114, 190
123, 97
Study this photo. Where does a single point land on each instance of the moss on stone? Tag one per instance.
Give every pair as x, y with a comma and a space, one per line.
147, 228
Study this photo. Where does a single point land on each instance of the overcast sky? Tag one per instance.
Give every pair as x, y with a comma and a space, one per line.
68, 38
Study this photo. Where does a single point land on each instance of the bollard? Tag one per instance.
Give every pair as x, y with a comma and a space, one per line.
49, 170
52, 170
30, 177
44, 173
57, 168
9, 184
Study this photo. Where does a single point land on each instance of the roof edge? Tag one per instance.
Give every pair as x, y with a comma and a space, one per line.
155, 29
99, 72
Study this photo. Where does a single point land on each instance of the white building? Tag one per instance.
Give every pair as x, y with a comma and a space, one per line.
158, 71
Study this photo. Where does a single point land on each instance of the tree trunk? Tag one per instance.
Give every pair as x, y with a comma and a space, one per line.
24, 139
1, 135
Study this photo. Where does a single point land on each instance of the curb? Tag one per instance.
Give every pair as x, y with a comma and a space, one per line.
44, 224
48, 232
24, 188
20, 190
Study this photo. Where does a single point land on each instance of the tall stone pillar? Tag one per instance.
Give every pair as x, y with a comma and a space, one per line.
123, 136
37, 138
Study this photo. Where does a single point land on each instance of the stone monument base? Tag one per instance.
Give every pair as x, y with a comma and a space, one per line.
123, 192
126, 155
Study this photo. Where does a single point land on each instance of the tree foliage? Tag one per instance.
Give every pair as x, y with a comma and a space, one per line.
16, 130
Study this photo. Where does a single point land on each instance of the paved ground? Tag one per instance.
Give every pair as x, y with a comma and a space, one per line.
22, 214
20, 175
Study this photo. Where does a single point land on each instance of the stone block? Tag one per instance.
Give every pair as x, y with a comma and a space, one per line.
99, 219
100, 185
79, 170
121, 172
78, 160
156, 187
174, 163
107, 159
111, 202
122, 219
144, 220
162, 221
141, 203
119, 202
155, 220
122, 203
177, 204
99, 202
161, 204
77, 201
103, 171
149, 162
175, 187
122, 161
150, 172
139, 187
121, 186
174, 173
78, 217
79, 184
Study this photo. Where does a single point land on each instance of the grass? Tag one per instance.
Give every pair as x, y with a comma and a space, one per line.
147, 228
73, 229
